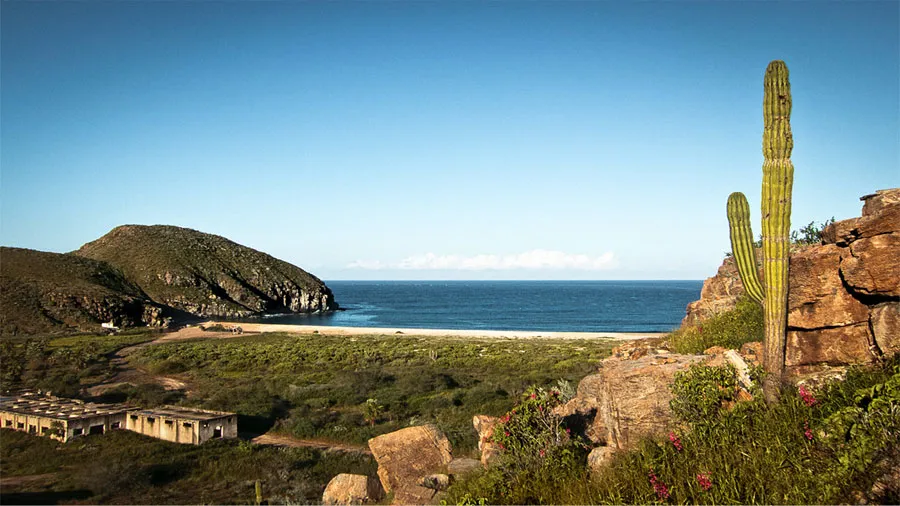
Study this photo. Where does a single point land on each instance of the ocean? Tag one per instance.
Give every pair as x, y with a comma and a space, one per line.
561, 306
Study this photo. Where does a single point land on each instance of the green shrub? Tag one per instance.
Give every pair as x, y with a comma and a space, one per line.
729, 329
538, 453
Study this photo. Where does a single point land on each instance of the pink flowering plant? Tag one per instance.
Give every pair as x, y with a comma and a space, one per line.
531, 434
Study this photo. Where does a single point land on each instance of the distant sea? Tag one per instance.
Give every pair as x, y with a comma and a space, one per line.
562, 306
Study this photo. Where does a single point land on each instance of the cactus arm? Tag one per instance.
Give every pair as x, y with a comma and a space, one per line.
778, 177
742, 245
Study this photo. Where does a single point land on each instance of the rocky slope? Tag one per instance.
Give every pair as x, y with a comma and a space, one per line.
844, 297
48, 292
207, 275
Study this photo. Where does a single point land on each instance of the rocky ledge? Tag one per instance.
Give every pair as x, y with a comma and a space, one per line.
844, 296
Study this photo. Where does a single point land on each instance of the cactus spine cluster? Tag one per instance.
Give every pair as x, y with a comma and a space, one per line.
778, 180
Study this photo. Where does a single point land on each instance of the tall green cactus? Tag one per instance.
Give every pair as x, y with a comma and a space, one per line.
778, 180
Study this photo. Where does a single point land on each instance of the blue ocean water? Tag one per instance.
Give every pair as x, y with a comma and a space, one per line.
564, 306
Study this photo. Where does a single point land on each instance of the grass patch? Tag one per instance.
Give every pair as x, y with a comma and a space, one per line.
729, 329
122, 467
320, 386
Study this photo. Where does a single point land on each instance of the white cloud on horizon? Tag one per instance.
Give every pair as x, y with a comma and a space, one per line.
537, 259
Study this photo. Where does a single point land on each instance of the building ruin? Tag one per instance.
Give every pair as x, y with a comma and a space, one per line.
64, 419
182, 425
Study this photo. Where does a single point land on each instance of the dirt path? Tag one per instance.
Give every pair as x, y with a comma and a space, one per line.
17, 481
284, 440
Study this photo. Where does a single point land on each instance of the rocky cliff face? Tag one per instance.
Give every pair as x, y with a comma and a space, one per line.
207, 275
48, 292
844, 298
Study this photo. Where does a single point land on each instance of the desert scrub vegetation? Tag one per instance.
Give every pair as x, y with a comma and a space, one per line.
122, 467
350, 389
62, 365
837, 444
729, 329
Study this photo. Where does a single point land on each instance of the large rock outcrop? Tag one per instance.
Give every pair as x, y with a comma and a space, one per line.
42, 292
407, 456
844, 296
628, 398
207, 275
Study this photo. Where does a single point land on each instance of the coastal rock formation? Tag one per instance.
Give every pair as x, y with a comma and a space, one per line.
352, 489
51, 292
844, 298
628, 398
719, 294
407, 456
207, 275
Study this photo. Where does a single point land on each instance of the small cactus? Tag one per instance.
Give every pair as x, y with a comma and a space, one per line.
778, 180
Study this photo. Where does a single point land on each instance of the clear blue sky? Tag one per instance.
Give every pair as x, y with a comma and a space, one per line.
436, 140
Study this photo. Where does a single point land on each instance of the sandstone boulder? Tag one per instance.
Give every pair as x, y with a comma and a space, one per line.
406, 456
352, 489
817, 297
414, 495
600, 457
871, 266
830, 346
874, 204
460, 466
884, 320
437, 481
629, 398
719, 294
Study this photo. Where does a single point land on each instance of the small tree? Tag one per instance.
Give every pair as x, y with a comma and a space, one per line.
372, 410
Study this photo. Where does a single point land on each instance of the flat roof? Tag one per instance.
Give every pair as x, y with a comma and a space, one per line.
58, 408
181, 412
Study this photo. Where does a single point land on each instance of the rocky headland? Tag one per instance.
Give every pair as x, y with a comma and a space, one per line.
149, 275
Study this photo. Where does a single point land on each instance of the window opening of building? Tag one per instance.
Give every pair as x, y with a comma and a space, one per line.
188, 425
96, 429
9, 423
217, 432
32, 429
77, 431
114, 425
20, 425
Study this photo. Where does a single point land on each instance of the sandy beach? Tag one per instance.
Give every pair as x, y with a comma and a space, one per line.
359, 331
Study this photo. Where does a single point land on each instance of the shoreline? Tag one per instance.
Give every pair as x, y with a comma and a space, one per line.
394, 331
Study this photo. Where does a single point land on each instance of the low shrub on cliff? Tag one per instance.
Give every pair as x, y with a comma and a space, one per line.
730, 329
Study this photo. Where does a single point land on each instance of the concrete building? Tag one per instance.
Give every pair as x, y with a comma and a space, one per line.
182, 425
61, 419
64, 419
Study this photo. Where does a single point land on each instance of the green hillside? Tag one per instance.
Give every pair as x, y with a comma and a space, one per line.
49, 292
207, 275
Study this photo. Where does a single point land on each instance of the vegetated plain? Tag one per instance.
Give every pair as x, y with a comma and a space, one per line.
326, 388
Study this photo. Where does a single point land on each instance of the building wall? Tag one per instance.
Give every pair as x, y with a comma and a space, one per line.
181, 430
227, 426
41, 425
83, 426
